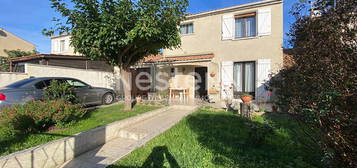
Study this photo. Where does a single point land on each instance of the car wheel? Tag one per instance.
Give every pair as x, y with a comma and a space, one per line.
108, 98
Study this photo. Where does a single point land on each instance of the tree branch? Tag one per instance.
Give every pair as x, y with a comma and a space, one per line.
127, 48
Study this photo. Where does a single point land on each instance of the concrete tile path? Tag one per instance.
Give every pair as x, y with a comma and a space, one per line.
130, 138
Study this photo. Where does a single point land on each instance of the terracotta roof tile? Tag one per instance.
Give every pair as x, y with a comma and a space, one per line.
161, 58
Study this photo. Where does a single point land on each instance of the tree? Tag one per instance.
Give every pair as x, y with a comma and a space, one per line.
19, 53
121, 32
320, 89
4, 61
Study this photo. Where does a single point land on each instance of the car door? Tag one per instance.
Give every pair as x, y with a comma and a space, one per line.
83, 91
39, 89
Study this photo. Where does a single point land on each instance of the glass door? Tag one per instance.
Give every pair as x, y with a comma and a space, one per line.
244, 78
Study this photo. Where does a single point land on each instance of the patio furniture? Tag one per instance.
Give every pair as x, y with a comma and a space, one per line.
182, 92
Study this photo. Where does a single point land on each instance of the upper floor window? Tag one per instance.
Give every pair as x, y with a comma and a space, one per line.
62, 45
186, 28
245, 25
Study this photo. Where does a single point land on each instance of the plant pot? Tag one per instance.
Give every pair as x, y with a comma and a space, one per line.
275, 108
246, 99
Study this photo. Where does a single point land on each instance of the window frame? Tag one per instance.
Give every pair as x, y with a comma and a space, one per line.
237, 94
186, 27
245, 16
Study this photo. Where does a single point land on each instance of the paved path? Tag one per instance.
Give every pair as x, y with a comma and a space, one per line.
130, 138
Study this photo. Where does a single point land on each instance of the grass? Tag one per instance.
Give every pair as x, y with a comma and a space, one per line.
210, 138
93, 119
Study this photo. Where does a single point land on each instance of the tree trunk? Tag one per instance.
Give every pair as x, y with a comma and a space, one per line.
126, 80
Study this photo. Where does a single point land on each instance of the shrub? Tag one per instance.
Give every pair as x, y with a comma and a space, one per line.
320, 88
37, 116
58, 90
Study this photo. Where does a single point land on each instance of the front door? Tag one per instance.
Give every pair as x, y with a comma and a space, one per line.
201, 82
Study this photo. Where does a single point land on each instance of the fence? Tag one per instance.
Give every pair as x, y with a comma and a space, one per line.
10, 77
92, 77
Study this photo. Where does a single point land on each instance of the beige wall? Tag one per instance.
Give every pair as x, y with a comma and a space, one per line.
7, 78
207, 38
10, 41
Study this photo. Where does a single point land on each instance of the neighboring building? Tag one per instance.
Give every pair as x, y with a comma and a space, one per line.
233, 50
69, 61
9, 41
61, 45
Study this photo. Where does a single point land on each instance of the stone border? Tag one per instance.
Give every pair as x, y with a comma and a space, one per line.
57, 152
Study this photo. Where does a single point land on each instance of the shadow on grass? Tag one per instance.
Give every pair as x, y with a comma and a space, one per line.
237, 142
156, 159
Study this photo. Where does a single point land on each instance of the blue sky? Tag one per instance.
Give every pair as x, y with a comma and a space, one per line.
27, 18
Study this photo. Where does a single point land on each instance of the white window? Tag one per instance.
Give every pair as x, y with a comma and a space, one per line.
186, 28
245, 26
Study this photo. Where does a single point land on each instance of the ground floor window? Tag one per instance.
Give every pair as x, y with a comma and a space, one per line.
244, 78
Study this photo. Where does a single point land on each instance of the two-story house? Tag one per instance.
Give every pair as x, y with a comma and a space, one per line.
224, 53
234, 50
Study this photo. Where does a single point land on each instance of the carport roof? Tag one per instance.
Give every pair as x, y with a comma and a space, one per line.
43, 56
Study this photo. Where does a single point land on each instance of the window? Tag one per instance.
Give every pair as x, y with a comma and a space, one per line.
76, 83
62, 45
172, 74
245, 25
40, 85
186, 28
244, 78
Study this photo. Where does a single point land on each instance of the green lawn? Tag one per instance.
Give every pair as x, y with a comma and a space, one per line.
96, 118
211, 138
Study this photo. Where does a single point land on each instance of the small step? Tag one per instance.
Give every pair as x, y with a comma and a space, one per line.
103, 155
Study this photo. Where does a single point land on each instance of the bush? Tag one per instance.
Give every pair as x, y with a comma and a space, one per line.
320, 88
58, 90
37, 116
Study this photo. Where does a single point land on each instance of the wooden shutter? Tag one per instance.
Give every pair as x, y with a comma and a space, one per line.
263, 72
226, 78
54, 48
264, 21
228, 27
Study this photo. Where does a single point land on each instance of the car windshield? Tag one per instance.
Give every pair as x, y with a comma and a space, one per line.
21, 83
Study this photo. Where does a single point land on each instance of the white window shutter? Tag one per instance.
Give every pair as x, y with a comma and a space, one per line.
226, 79
228, 27
67, 43
54, 46
264, 21
263, 72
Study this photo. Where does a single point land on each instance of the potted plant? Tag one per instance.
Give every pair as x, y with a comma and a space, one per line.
246, 98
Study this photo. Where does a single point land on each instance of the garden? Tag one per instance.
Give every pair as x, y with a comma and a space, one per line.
216, 138
58, 115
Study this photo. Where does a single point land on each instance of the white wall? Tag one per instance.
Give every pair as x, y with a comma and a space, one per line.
94, 78
7, 78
